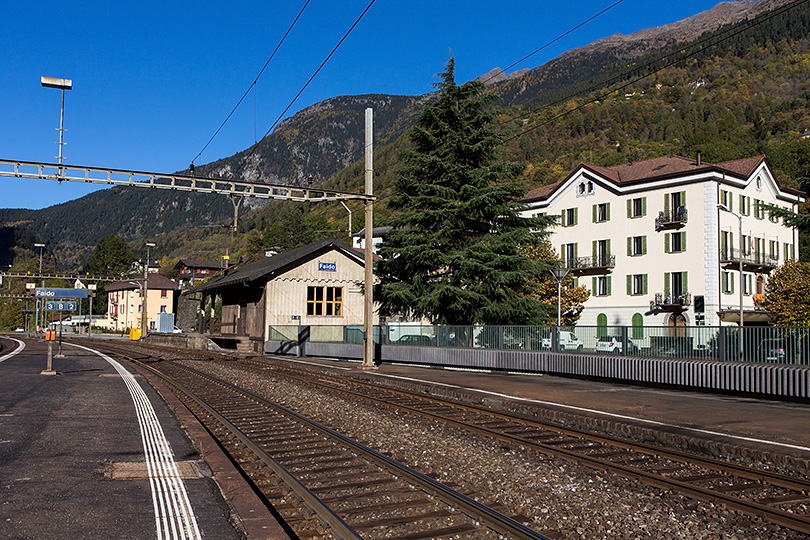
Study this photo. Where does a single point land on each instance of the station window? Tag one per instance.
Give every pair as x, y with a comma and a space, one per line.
326, 301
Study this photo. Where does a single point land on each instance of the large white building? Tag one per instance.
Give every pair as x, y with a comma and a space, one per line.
650, 241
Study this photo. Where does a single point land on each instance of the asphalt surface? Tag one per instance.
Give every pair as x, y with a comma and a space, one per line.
62, 436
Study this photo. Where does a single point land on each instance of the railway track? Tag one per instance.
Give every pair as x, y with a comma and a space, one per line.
775, 497
322, 484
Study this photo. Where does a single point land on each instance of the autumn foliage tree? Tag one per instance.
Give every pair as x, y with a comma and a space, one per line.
786, 294
572, 299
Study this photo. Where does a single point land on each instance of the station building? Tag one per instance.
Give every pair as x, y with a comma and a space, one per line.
319, 284
651, 243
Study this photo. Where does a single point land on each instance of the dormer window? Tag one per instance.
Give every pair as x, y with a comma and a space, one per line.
585, 188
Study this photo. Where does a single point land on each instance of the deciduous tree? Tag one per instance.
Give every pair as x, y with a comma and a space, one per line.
786, 294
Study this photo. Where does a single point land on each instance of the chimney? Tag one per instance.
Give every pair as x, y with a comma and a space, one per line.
698, 158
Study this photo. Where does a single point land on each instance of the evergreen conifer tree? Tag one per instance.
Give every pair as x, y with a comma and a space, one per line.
454, 256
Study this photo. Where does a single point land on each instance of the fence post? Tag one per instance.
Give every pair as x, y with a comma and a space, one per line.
625, 350
721, 344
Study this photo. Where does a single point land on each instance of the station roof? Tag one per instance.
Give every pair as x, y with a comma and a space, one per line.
277, 264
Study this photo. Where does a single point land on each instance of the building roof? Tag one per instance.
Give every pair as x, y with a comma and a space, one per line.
277, 264
156, 282
195, 264
660, 168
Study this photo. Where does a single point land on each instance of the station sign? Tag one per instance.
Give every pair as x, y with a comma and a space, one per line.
59, 305
40, 292
327, 266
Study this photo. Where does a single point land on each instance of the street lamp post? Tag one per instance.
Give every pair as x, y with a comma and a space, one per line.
61, 84
724, 208
559, 274
144, 318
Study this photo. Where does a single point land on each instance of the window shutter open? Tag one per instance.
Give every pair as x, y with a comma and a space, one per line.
594, 286
644, 245
644, 206
607, 211
666, 283
576, 216
594, 213
666, 242
629, 207
629, 245
683, 241
644, 284
608, 285
629, 284
666, 204
684, 282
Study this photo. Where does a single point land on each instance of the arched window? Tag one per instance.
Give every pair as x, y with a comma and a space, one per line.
601, 325
638, 326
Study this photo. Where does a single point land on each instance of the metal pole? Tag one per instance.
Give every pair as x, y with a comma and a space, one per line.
742, 354
559, 294
61, 126
368, 315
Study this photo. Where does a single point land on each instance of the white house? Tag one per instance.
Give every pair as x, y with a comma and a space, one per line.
650, 241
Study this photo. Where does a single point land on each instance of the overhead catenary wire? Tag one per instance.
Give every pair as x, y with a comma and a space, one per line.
253, 84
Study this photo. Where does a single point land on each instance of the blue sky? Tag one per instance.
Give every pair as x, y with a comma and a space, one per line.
152, 81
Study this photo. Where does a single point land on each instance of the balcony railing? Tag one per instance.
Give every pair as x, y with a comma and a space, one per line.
671, 219
671, 302
602, 263
751, 261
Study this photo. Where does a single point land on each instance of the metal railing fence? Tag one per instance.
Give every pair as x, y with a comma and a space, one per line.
771, 344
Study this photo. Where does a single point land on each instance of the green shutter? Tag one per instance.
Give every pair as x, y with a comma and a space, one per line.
563, 218
608, 284
607, 249
644, 206
683, 240
644, 284
594, 287
576, 216
629, 285
644, 245
629, 207
565, 262
629, 245
666, 205
595, 251
594, 213
732, 281
576, 251
666, 242
683, 199
666, 284
607, 211
684, 282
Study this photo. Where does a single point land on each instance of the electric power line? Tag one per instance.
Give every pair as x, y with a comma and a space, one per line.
253, 84
558, 38
349, 31
674, 57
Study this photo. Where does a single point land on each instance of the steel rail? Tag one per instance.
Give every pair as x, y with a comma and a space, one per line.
176, 182
339, 527
775, 515
492, 519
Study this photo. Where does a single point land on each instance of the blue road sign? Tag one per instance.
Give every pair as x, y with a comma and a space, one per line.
39, 292
60, 305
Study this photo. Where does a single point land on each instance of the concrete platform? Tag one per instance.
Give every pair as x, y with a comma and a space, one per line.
73, 462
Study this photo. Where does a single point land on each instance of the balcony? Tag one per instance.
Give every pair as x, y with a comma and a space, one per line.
671, 302
752, 262
673, 219
592, 265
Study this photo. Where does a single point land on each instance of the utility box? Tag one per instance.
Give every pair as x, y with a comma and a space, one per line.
165, 323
